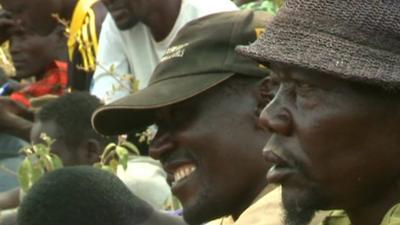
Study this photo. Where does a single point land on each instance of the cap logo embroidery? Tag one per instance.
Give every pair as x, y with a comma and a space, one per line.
177, 51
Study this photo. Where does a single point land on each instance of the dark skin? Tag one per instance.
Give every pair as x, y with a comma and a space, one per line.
159, 16
208, 138
86, 153
335, 142
36, 15
31, 54
14, 124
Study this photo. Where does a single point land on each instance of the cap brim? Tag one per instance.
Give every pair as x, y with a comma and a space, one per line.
136, 110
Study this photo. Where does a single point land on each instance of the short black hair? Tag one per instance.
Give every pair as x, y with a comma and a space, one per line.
81, 195
72, 114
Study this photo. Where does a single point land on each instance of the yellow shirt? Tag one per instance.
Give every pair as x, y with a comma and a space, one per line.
266, 210
83, 35
340, 218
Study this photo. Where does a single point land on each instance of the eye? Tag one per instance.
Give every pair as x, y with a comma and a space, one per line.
304, 88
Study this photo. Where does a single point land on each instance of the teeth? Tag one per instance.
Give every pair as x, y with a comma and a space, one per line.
183, 172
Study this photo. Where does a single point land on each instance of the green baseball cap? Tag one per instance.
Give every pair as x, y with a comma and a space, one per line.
201, 56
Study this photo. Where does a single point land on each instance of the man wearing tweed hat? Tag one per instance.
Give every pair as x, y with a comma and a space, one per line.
335, 119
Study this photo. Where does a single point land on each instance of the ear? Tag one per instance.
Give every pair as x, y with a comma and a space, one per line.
91, 150
265, 93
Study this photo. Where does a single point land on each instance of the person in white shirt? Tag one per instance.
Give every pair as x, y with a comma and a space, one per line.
135, 36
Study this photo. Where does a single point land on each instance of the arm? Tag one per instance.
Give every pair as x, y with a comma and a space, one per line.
14, 125
16, 108
9, 199
112, 65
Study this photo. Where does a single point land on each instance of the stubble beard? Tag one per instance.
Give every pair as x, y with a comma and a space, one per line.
301, 210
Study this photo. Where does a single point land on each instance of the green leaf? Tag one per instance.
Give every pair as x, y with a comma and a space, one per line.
123, 156
37, 173
24, 174
57, 163
130, 147
114, 165
109, 148
41, 150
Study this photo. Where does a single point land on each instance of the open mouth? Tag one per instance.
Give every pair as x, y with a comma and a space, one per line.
280, 169
181, 173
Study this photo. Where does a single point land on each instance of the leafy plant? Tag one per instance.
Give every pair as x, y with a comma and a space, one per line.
37, 162
115, 155
40, 160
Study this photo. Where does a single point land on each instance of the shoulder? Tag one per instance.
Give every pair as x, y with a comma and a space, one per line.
100, 12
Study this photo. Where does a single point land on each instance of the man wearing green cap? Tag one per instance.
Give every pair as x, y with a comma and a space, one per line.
335, 119
208, 143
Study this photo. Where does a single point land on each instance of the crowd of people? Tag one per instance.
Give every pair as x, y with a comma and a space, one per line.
256, 112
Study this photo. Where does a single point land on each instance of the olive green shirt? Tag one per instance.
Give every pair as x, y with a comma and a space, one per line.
339, 217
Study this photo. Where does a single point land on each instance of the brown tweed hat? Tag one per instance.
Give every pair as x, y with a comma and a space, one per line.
201, 56
357, 40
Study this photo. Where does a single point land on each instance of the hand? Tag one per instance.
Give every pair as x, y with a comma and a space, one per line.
14, 125
6, 25
16, 108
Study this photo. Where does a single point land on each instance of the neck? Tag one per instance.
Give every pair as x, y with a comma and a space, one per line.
373, 212
67, 9
162, 18
258, 190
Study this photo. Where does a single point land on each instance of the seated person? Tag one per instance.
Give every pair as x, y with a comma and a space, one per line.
41, 57
67, 120
204, 135
83, 195
335, 119
84, 18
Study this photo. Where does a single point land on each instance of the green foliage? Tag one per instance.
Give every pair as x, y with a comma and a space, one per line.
115, 155
37, 162
40, 160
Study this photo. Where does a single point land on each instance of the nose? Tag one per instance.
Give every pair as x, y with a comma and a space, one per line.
276, 117
160, 145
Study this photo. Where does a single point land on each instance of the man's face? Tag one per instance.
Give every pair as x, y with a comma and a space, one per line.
68, 157
32, 53
35, 15
210, 146
125, 13
335, 143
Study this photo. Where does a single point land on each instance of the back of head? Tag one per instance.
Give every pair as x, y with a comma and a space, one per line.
81, 195
72, 115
